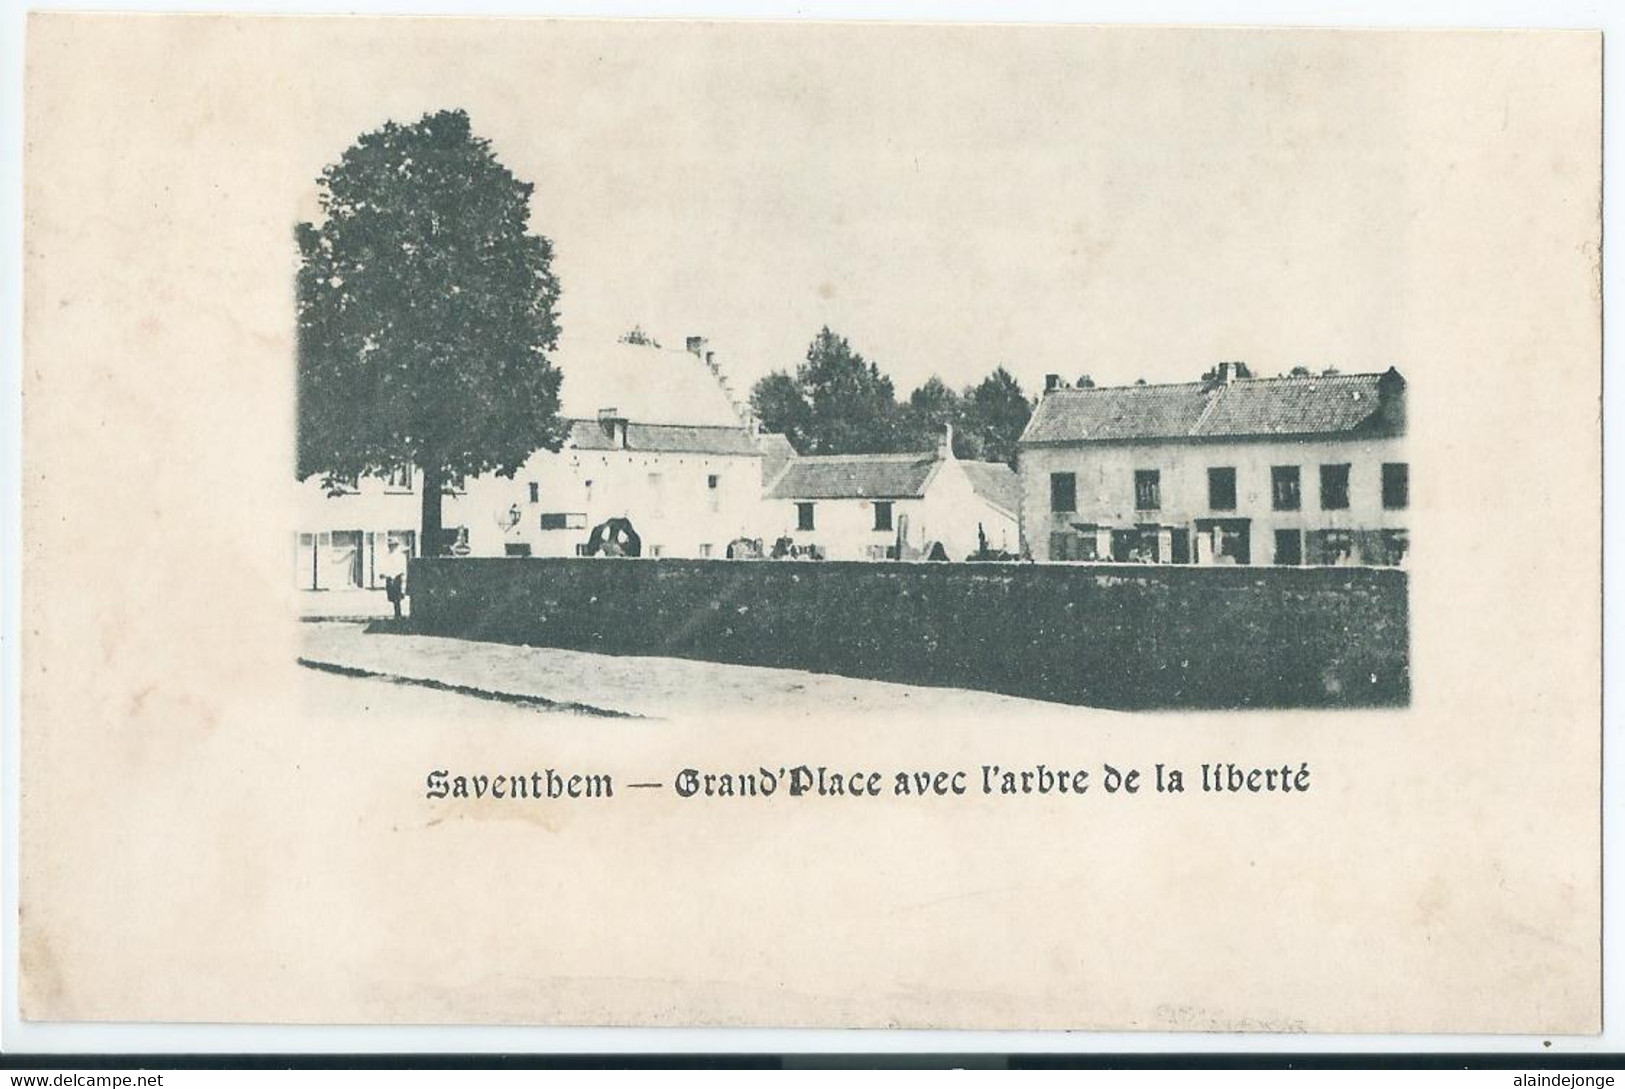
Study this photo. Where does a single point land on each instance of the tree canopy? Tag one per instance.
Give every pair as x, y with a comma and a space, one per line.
837, 402
426, 311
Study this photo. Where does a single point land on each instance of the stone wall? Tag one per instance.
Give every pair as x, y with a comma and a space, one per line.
1124, 636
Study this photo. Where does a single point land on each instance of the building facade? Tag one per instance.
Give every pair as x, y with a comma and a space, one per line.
1231, 470
890, 506
655, 437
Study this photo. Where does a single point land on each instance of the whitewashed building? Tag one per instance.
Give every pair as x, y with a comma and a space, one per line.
655, 437
1233, 470
877, 506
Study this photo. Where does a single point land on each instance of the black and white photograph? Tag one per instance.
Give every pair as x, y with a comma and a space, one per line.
1217, 539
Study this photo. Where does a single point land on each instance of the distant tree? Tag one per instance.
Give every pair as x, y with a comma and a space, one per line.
426, 310
1330, 372
1085, 382
1139, 381
636, 335
1300, 371
779, 403
853, 405
929, 410
996, 412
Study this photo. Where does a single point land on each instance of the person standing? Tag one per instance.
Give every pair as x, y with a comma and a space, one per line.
393, 568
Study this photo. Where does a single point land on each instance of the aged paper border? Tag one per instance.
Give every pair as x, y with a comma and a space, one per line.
666, 1039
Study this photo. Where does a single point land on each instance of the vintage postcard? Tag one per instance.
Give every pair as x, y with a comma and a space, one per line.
571, 522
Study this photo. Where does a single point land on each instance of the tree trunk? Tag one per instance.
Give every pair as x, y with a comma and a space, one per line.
433, 541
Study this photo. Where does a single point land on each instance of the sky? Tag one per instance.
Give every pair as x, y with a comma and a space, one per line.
1123, 203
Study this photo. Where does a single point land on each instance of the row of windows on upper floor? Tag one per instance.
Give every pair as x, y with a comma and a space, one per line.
1286, 491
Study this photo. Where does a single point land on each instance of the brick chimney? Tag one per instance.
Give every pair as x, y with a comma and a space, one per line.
1052, 382
1391, 401
614, 425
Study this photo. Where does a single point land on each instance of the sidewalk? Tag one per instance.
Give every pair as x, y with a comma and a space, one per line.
344, 605
645, 687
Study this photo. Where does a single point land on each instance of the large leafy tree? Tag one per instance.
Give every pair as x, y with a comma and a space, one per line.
779, 403
996, 412
426, 312
837, 402
931, 408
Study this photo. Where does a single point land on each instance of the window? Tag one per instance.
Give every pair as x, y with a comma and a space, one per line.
1396, 485
341, 484
1329, 546
563, 520
454, 540
804, 516
1221, 489
705, 549
1284, 487
657, 492
883, 515
512, 549
1067, 545
1396, 545
399, 479
712, 480
1063, 492
1288, 547
535, 492
1334, 487
1147, 489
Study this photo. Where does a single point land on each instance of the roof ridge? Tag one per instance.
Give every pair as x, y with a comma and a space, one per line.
643, 423
1213, 382
919, 455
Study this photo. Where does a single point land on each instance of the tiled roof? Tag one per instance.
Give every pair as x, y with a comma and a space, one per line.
995, 482
641, 382
775, 445
776, 454
1246, 407
665, 438
855, 476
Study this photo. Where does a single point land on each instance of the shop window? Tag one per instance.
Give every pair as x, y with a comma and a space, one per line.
1329, 547
1288, 547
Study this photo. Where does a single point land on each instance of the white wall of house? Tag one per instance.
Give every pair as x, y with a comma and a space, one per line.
681, 504
341, 537
1104, 477
948, 511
